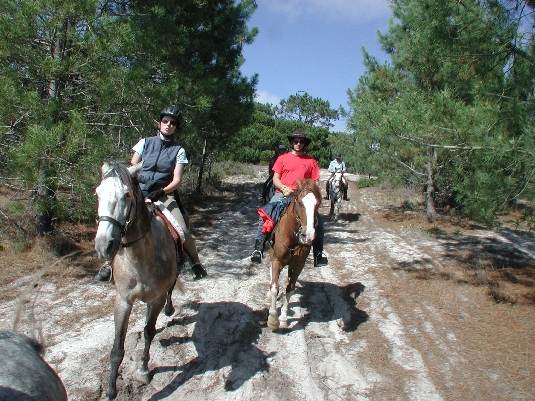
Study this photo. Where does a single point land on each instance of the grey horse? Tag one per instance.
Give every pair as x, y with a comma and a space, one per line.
24, 374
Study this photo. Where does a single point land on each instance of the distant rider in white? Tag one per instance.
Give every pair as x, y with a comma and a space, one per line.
337, 166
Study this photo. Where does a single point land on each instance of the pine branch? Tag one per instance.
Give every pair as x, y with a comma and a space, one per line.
451, 147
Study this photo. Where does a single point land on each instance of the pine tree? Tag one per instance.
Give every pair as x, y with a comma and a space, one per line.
83, 81
439, 110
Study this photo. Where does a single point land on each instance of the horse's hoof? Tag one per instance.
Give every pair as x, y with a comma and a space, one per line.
283, 324
169, 310
273, 323
143, 376
111, 393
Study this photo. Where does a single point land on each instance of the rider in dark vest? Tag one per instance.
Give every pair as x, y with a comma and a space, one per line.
161, 175
159, 158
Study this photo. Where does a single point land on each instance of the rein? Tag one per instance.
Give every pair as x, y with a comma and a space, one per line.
128, 244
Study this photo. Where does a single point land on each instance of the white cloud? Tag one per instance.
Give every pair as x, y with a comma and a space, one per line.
266, 97
333, 10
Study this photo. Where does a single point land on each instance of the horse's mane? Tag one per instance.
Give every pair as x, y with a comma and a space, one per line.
310, 185
120, 170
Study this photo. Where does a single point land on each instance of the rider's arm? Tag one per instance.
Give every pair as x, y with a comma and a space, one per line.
178, 172
277, 181
136, 158
287, 191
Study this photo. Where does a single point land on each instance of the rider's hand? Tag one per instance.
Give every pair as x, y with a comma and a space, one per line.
155, 195
286, 191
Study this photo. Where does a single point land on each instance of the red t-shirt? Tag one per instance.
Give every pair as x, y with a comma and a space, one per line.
292, 167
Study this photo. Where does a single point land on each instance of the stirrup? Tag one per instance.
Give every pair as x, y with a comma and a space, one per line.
320, 260
256, 256
104, 274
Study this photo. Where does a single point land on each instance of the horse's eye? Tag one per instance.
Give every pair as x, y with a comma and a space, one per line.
127, 195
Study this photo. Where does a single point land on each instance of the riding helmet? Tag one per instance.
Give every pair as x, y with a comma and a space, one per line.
172, 111
337, 155
299, 133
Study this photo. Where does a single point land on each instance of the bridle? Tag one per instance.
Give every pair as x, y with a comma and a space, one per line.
128, 223
338, 188
297, 219
116, 223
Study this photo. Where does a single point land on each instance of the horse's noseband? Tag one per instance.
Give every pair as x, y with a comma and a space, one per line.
116, 223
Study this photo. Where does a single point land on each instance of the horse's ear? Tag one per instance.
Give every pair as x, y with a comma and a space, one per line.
299, 184
136, 168
105, 168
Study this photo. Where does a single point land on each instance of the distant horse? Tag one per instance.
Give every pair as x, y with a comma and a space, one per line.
144, 259
268, 190
24, 374
335, 194
292, 240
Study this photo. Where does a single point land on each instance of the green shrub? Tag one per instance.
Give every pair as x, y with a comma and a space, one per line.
366, 182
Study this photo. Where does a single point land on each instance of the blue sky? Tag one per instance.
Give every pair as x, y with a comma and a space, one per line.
313, 46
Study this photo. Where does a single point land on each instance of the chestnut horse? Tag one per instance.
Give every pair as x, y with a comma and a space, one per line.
292, 240
144, 259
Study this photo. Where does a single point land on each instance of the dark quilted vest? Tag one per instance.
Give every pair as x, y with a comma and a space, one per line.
159, 159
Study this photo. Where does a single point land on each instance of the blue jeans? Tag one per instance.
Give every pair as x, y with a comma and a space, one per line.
317, 244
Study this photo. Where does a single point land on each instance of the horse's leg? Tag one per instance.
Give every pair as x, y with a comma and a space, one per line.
273, 318
153, 310
122, 311
169, 308
293, 274
331, 210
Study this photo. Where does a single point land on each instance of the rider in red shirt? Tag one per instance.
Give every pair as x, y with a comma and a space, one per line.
289, 168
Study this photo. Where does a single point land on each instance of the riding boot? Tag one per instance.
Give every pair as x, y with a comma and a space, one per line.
105, 272
196, 267
199, 271
256, 256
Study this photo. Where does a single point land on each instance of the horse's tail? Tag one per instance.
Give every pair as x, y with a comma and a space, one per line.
180, 285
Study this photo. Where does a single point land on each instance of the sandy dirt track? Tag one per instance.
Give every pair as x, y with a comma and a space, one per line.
386, 320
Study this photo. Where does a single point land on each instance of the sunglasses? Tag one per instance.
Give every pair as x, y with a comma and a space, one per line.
167, 121
298, 141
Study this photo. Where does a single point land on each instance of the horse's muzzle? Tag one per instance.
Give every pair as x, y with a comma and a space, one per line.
306, 237
107, 243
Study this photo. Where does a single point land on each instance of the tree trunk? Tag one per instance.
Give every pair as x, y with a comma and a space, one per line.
201, 167
43, 204
430, 202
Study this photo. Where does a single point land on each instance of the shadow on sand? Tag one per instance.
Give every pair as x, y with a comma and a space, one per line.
226, 333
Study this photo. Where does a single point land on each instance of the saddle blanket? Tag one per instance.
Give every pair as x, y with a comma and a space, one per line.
271, 212
169, 217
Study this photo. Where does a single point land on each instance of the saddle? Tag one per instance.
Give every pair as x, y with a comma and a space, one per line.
169, 225
170, 222
178, 240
